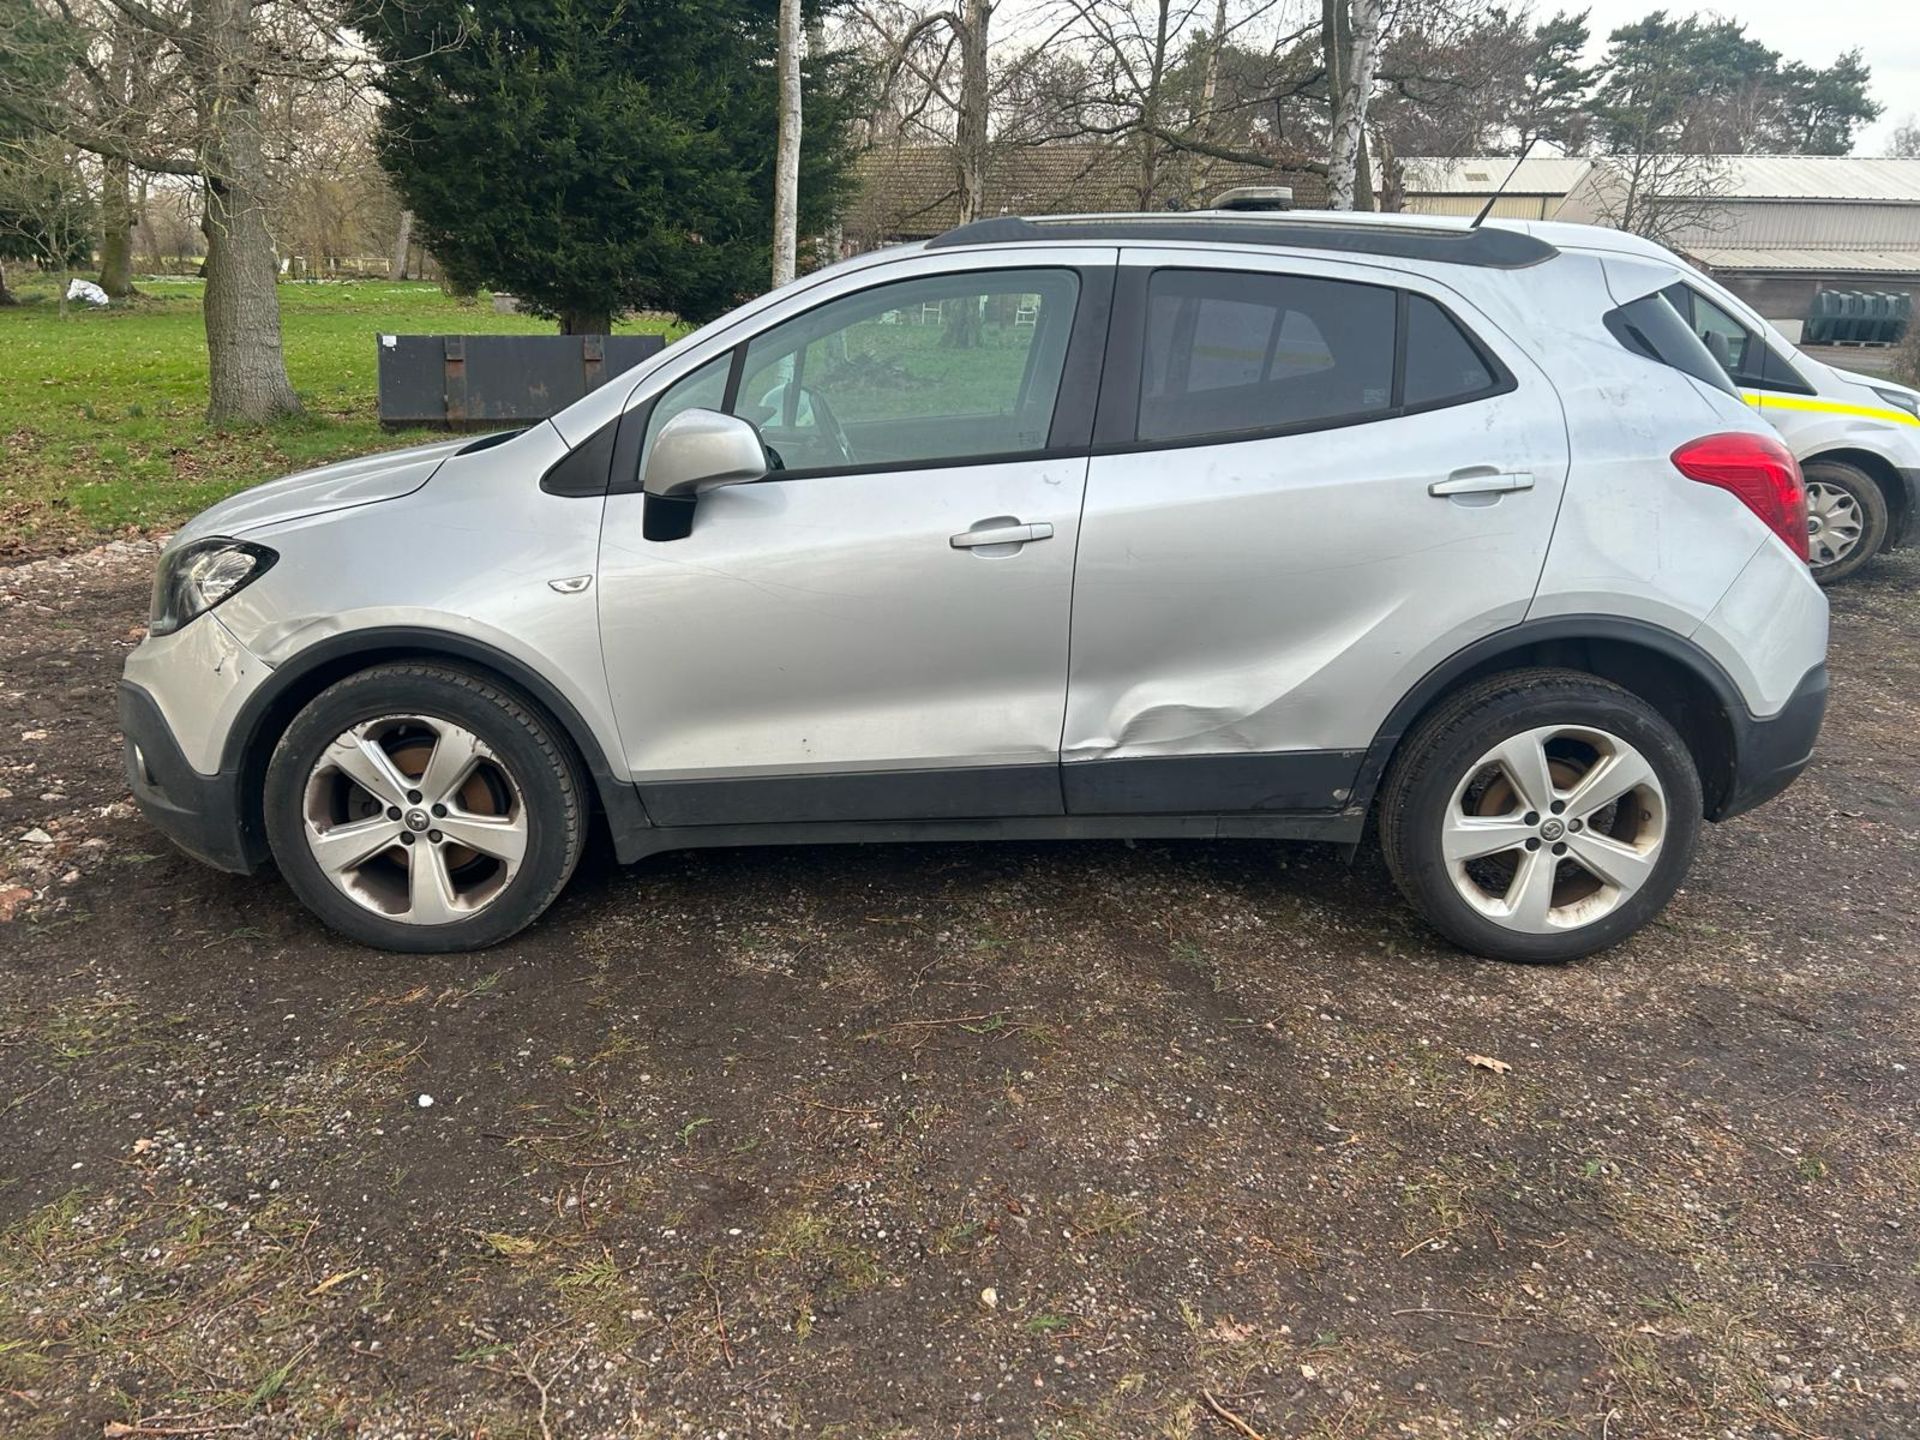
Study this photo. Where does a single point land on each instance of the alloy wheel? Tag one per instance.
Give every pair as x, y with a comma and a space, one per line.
415, 818
1554, 828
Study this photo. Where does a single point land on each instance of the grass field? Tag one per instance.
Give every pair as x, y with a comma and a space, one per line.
101, 428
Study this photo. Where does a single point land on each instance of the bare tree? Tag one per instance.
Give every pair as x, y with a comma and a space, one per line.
44, 212
786, 161
214, 65
1905, 144
916, 52
1673, 199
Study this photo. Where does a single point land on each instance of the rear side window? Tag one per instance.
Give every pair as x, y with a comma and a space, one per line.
1650, 326
1442, 364
1229, 351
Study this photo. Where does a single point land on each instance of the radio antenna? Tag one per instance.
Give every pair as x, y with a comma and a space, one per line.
1501, 188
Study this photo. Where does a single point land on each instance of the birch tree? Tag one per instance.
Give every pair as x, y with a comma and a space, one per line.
786, 160
1350, 73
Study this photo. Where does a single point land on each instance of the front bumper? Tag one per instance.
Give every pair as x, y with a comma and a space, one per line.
1768, 754
203, 814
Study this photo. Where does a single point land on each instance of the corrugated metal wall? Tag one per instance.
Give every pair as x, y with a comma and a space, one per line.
1507, 207
1807, 225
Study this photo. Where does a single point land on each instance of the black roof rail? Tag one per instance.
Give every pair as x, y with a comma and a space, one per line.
1490, 249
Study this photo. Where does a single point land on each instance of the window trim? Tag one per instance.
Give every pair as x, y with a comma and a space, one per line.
1116, 425
1068, 433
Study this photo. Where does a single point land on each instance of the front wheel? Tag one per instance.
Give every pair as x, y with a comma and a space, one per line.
421, 808
1540, 816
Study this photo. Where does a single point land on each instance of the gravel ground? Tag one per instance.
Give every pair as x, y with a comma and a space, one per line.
1088, 1140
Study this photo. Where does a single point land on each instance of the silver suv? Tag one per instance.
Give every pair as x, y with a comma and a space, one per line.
1100, 526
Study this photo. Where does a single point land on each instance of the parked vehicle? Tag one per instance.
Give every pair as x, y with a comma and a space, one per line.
1189, 526
1857, 437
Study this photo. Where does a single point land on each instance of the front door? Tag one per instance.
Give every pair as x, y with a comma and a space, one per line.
1312, 482
877, 631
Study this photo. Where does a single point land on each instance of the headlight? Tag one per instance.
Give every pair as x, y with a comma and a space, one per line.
198, 576
1900, 400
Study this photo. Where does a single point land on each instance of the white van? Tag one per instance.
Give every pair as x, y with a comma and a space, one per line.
1857, 437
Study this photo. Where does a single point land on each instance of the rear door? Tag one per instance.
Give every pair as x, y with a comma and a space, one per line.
1311, 482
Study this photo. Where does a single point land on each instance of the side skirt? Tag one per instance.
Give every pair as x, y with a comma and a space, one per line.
1342, 828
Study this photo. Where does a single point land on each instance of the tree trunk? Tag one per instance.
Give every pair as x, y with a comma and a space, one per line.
586, 322
401, 244
971, 128
6, 295
1150, 110
246, 369
116, 183
116, 229
1352, 56
1202, 181
786, 162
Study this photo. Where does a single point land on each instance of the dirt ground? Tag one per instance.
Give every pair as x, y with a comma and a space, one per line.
1076, 1141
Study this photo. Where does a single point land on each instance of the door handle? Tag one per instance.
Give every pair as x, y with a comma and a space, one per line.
1482, 480
1001, 532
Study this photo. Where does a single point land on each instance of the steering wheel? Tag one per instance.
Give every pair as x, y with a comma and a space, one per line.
830, 425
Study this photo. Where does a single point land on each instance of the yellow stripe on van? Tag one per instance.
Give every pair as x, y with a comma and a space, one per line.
1827, 407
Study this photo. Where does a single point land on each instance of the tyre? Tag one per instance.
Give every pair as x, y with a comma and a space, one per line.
423, 808
1846, 519
1540, 815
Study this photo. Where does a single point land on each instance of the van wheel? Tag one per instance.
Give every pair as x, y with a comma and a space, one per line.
421, 808
1540, 815
1846, 519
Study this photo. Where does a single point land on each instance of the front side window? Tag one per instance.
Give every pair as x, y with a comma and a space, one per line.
702, 389
920, 371
1228, 351
1726, 339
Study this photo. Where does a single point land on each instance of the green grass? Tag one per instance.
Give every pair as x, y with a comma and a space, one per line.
101, 412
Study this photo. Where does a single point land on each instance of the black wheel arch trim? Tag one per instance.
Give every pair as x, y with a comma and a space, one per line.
1572, 629
361, 649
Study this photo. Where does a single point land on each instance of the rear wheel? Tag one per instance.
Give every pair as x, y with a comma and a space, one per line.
424, 809
1540, 815
1846, 519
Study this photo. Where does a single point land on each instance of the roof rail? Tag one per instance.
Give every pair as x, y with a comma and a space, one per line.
1492, 249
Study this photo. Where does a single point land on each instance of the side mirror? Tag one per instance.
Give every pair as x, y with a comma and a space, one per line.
695, 451
1721, 349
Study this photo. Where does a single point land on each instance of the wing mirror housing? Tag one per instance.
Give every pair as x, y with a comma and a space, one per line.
696, 451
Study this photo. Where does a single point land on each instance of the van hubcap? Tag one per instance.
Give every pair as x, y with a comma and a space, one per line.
1834, 523
415, 818
1554, 828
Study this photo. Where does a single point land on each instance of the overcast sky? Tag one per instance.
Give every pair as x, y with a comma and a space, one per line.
1814, 31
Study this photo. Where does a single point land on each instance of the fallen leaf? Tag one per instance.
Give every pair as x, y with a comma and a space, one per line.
1487, 1062
11, 899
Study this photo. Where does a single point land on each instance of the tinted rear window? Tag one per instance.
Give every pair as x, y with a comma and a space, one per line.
1650, 326
1442, 364
1232, 351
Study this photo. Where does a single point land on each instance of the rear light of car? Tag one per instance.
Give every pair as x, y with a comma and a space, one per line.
1760, 471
